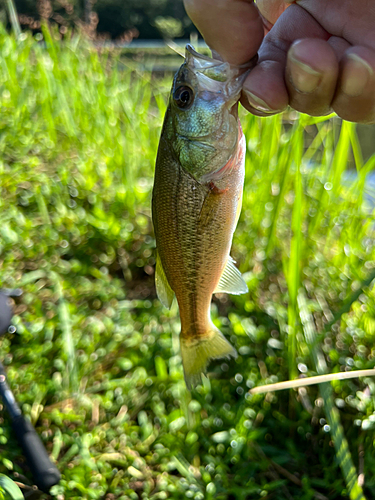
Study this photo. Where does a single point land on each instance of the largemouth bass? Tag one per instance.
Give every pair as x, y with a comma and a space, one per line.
196, 203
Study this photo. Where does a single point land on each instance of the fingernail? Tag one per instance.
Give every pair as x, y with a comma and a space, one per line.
305, 79
355, 75
258, 103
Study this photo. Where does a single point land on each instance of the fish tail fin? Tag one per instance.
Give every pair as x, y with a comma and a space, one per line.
197, 353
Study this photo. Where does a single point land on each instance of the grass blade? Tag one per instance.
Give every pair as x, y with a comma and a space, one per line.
340, 158
10, 488
333, 417
14, 18
293, 278
66, 327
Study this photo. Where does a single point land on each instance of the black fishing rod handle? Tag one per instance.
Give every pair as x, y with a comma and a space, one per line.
43, 470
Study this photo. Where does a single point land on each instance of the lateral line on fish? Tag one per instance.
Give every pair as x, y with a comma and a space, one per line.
179, 218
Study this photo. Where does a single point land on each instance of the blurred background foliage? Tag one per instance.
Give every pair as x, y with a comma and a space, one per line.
114, 19
95, 358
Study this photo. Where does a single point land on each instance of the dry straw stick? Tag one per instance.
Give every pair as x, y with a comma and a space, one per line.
303, 382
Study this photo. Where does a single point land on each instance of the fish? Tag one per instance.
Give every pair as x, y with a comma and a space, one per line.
196, 203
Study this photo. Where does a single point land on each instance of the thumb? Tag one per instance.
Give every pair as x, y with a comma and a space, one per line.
233, 28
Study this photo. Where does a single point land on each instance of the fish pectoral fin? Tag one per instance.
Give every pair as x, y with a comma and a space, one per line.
209, 209
231, 280
197, 353
164, 291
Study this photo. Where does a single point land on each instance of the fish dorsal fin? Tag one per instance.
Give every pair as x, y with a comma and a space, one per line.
231, 280
163, 289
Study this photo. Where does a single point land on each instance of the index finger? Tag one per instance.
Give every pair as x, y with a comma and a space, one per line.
233, 28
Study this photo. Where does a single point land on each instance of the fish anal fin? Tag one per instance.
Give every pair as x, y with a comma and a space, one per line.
231, 280
197, 353
163, 289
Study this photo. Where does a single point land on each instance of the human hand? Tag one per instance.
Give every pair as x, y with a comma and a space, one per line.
317, 56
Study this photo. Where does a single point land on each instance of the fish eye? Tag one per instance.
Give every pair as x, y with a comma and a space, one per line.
183, 97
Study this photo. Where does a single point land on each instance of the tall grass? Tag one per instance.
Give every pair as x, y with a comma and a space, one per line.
96, 364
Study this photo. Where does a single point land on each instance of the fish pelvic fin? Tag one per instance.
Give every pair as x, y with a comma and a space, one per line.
164, 291
197, 353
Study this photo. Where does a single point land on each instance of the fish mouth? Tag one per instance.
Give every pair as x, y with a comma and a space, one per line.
206, 61
191, 50
218, 76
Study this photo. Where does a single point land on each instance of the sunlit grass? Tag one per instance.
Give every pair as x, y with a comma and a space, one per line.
96, 362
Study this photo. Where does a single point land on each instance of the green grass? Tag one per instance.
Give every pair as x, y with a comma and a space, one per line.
95, 362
